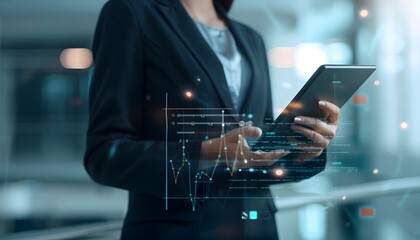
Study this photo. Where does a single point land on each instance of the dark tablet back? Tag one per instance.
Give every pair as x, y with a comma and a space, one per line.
333, 83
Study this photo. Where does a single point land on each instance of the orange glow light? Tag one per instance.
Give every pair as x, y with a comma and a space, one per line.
364, 13
296, 105
367, 212
404, 125
76, 58
188, 94
359, 99
279, 172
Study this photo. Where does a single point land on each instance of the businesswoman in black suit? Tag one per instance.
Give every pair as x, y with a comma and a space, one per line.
152, 56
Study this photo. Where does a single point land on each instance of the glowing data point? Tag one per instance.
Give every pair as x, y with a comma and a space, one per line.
375, 171
343, 198
253, 215
279, 172
377, 82
245, 161
188, 94
404, 125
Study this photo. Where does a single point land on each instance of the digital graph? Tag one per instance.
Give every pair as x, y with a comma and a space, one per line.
181, 118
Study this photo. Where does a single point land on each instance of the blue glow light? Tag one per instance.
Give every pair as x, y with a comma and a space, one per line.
253, 215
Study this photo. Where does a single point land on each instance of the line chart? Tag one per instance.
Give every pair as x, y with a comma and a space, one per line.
184, 164
202, 176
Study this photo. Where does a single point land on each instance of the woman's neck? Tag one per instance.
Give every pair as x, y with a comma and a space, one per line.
203, 11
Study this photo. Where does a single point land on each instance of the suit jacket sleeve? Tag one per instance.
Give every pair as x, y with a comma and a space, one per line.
116, 154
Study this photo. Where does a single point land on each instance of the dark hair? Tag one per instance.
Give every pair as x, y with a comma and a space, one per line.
226, 4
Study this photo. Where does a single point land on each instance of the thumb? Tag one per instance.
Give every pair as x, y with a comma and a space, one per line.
246, 132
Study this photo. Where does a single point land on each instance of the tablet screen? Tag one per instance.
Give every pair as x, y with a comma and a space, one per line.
333, 83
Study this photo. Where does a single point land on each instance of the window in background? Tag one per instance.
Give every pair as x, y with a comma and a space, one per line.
51, 116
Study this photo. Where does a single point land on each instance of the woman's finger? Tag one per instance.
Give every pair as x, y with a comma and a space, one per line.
245, 132
311, 134
332, 110
317, 125
267, 156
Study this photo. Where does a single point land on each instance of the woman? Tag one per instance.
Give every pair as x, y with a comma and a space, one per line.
155, 56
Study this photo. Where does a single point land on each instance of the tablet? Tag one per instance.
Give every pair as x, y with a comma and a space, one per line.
333, 83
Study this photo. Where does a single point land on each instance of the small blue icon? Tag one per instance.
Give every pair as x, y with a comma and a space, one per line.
253, 215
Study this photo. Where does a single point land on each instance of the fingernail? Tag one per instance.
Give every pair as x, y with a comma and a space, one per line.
298, 119
322, 103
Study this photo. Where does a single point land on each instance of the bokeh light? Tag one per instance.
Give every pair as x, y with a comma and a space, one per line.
364, 13
188, 94
279, 172
360, 99
76, 58
404, 125
309, 56
282, 57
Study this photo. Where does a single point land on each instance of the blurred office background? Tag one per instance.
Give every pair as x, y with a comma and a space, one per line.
44, 74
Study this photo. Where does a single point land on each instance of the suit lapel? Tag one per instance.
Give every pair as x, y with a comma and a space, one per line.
185, 28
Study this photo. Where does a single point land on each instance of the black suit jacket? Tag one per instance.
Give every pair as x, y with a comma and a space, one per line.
147, 54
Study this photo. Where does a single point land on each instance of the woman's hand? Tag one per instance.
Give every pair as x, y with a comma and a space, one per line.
316, 130
233, 149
